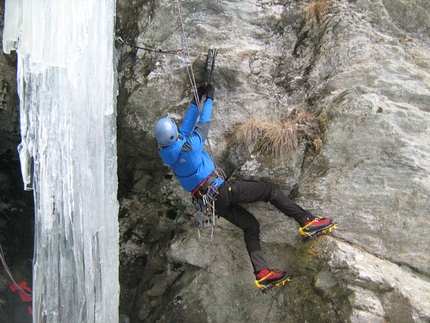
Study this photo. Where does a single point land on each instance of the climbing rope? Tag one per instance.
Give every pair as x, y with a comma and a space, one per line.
206, 201
120, 41
186, 55
189, 66
6, 268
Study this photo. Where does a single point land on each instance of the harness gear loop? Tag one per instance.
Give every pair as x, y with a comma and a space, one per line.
204, 197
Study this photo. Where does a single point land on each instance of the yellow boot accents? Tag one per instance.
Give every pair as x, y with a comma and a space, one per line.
316, 227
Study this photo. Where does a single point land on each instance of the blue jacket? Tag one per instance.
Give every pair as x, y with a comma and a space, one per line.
186, 157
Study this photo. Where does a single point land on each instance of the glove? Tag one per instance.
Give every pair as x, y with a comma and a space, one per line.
201, 90
210, 91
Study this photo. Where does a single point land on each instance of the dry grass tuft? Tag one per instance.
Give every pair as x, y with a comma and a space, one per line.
317, 143
304, 117
315, 10
279, 139
248, 132
307, 126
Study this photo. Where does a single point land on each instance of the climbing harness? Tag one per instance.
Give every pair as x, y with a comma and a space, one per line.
204, 197
6, 268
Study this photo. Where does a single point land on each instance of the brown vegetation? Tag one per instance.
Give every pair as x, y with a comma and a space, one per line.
278, 138
315, 10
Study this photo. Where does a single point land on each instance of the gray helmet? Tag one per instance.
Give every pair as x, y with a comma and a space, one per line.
166, 132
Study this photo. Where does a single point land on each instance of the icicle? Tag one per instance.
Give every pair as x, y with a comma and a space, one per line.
66, 85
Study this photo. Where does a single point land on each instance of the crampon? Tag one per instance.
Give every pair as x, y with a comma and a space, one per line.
265, 288
308, 235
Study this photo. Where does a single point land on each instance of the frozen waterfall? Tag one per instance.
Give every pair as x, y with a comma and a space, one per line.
67, 90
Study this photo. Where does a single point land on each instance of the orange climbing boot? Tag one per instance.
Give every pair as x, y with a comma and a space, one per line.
267, 278
316, 227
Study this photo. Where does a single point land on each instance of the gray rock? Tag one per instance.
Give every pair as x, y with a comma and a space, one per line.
364, 71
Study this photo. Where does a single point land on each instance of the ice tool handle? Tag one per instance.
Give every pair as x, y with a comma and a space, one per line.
211, 55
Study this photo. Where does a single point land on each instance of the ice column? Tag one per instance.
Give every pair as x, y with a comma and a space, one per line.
67, 90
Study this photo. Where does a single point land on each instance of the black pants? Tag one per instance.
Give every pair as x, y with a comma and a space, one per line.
231, 194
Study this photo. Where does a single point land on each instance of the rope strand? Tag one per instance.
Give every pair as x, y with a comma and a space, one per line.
6, 268
189, 67
208, 200
186, 55
170, 52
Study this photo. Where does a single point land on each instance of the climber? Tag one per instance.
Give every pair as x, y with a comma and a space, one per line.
182, 150
20, 303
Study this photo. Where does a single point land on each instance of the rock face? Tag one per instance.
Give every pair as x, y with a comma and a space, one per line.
358, 74
362, 69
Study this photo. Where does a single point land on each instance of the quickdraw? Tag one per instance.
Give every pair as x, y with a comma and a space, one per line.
204, 197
